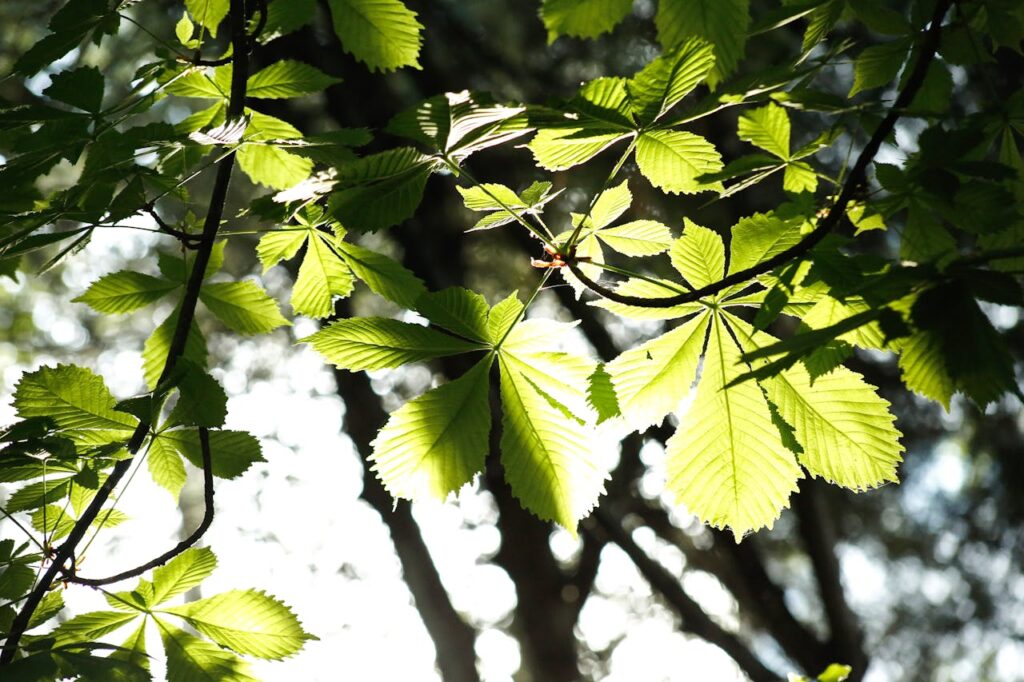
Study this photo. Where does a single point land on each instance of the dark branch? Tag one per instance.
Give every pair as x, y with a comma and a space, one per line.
204, 525
854, 182
66, 552
694, 619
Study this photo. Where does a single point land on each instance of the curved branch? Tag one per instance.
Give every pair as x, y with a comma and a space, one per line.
200, 531
856, 179
695, 620
66, 552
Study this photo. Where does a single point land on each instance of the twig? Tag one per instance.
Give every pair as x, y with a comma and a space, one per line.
695, 620
204, 525
66, 551
857, 178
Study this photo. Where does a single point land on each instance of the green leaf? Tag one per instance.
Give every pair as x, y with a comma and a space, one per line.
154, 351
381, 190
668, 79
489, 197
208, 13
601, 395
184, 30
88, 627
133, 655
637, 238
548, 458
843, 426
799, 177
383, 275
280, 245
609, 206
247, 622
434, 444
76, 399
82, 88
197, 82
582, 18
269, 165
759, 237
458, 310
727, 462
124, 291
322, 276
50, 606
878, 65
767, 128
243, 306
698, 255
673, 160
201, 400
460, 123
502, 317
561, 148
190, 659
366, 343
165, 466
829, 311
287, 78
723, 23
232, 452
286, 16
182, 573
652, 379
383, 34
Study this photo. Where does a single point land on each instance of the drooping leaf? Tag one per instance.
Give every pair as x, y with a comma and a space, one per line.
383, 275
81, 88
182, 573
458, 310
601, 396
562, 148
280, 245
201, 400
208, 13
154, 351
727, 462
923, 369
668, 79
673, 160
367, 343
878, 65
582, 18
322, 276
723, 23
383, 34
165, 466
381, 190
76, 399
637, 238
698, 255
759, 237
652, 379
287, 78
767, 128
124, 291
437, 442
247, 622
243, 306
190, 659
88, 627
231, 452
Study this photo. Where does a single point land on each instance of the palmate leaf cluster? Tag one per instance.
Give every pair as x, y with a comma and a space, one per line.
752, 405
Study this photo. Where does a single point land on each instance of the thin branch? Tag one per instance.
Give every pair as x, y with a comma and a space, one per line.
695, 620
204, 525
66, 551
853, 184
